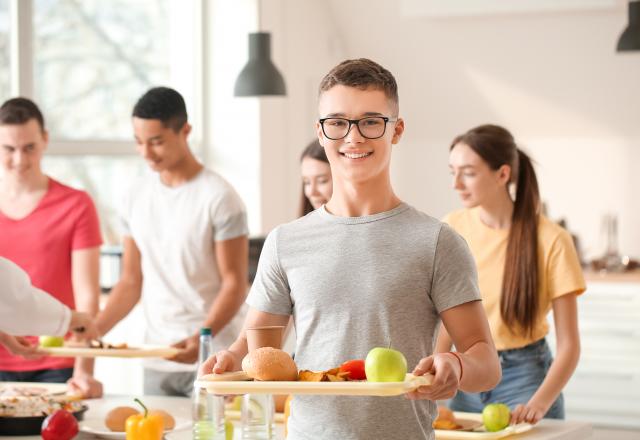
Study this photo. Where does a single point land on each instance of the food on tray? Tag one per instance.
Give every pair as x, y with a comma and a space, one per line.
268, 363
169, 421
51, 341
385, 365
333, 375
496, 416
144, 426
61, 425
445, 420
355, 369
96, 343
17, 401
116, 418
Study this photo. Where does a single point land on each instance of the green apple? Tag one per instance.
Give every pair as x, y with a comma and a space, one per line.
385, 365
51, 341
496, 416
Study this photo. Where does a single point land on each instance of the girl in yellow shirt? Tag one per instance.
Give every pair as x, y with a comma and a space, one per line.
527, 265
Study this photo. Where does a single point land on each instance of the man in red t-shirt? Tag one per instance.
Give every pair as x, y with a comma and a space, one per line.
52, 232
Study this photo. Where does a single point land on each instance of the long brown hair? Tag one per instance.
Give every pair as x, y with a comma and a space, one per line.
519, 305
315, 151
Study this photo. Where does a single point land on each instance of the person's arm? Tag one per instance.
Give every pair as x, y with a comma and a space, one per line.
231, 359
20, 346
565, 317
85, 278
443, 343
127, 291
476, 366
232, 257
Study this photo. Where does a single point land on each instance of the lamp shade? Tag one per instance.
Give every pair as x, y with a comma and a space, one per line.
259, 77
630, 38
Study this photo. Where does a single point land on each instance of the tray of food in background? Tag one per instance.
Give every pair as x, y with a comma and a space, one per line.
469, 426
272, 371
104, 349
24, 406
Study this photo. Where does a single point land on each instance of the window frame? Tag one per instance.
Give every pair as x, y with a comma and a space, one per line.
22, 84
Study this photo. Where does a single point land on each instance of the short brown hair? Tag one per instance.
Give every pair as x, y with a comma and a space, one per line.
18, 111
363, 74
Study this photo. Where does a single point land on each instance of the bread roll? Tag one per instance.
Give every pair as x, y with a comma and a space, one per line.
269, 363
117, 417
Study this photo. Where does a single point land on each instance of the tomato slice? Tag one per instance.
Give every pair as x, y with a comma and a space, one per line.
355, 368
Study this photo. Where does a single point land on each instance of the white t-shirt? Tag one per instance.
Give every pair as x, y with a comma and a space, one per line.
175, 229
27, 310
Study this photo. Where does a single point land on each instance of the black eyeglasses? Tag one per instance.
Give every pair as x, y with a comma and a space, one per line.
372, 127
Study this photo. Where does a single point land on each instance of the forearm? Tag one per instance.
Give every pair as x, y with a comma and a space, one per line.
481, 369
84, 366
123, 297
443, 343
559, 373
230, 298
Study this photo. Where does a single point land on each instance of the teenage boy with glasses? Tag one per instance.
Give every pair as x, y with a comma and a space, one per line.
368, 270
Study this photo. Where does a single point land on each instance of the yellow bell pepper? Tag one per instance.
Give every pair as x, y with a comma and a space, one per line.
144, 426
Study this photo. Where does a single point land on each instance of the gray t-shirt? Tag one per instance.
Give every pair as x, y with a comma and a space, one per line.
355, 283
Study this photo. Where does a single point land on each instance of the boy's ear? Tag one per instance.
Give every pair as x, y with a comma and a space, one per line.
398, 129
319, 134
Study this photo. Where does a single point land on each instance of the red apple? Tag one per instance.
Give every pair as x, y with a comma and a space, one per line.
60, 425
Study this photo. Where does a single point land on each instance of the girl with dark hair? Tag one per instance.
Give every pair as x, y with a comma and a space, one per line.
316, 178
527, 266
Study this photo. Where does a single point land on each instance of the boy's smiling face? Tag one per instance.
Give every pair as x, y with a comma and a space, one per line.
355, 158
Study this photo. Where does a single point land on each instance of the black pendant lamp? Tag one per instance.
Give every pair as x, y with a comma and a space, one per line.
630, 38
259, 77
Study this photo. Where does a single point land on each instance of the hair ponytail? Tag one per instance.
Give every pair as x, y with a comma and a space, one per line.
519, 304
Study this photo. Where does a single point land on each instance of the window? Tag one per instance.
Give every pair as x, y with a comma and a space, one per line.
92, 59
5, 51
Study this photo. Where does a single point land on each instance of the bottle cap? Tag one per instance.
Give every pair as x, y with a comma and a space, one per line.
205, 331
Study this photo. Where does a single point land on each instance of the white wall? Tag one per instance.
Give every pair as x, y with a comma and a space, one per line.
553, 79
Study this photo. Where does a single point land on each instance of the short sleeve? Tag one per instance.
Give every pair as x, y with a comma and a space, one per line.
455, 277
564, 273
86, 232
270, 291
229, 217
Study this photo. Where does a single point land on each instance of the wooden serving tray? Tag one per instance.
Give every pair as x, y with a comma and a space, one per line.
478, 433
154, 351
240, 383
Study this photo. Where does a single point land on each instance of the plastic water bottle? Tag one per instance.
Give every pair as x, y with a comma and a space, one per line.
208, 409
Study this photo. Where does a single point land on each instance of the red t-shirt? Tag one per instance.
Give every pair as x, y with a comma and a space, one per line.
41, 243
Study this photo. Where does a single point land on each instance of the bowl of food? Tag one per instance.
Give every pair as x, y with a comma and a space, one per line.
24, 408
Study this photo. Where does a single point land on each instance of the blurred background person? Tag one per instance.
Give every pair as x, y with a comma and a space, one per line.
52, 232
25, 309
527, 266
185, 247
317, 186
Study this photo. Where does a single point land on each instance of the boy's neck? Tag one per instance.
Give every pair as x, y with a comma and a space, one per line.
17, 187
357, 200
182, 173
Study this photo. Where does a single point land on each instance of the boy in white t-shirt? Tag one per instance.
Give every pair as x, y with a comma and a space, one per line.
185, 247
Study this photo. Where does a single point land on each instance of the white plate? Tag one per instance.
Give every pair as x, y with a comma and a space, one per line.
96, 427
